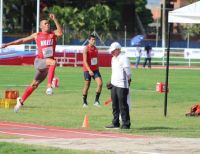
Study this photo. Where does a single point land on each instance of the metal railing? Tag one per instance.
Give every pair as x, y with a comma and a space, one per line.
176, 57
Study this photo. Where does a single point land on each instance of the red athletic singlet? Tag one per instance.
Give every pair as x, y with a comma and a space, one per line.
46, 43
92, 58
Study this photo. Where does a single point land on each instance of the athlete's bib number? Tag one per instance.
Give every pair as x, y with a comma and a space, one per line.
47, 52
93, 61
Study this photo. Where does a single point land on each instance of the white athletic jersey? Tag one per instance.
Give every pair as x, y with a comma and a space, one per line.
119, 77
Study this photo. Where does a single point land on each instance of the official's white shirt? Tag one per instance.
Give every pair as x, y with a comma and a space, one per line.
120, 71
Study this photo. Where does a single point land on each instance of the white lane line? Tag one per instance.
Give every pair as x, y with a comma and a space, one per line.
71, 131
77, 132
22, 134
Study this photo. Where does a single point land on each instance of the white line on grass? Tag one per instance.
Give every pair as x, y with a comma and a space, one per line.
15, 85
143, 90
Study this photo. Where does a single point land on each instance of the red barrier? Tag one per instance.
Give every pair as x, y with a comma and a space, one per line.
104, 59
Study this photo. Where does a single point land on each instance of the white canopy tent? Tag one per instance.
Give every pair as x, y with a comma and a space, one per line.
186, 14
1, 20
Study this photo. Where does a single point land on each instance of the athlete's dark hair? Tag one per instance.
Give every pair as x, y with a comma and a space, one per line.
91, 36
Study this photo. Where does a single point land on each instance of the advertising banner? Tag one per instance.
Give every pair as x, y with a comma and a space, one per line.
132, 52
192, 53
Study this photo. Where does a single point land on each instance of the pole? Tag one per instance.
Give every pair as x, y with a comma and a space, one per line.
167, 70
63, 38
157, 33
188, 39
38, 16
157, 25
125, 36
188, 35
163, 24
1, 20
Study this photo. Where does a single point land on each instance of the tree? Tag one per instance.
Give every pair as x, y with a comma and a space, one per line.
11, 15
84, 22
191, 29
145, 14
101, 18
70, 18
19, 15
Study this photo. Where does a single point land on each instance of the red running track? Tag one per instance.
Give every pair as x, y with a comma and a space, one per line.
32, 131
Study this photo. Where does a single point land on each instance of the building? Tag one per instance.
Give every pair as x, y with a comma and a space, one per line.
180, 3
156, 9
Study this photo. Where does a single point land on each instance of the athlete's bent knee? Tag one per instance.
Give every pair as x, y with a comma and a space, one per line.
35, 85
54, 62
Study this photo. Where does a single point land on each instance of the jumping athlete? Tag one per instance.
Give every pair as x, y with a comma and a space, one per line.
44, 63
91, 69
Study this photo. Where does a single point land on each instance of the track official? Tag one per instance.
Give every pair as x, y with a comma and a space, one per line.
120, 80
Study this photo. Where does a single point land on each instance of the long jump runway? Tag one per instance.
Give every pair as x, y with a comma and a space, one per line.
47, 132
106, 142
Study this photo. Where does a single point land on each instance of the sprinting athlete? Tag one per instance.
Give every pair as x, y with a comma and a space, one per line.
44, 63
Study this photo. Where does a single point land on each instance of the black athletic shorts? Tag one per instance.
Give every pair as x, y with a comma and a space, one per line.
87, 76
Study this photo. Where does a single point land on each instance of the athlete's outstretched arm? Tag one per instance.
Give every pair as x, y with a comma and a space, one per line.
20, 41
59, 30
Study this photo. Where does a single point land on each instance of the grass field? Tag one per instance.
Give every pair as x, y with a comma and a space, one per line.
64, 108
10, 148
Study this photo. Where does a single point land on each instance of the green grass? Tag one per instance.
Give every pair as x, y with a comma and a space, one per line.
11, 148
64, 108
174, 61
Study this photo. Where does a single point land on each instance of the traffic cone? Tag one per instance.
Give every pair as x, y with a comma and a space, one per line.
85, 122
108, 101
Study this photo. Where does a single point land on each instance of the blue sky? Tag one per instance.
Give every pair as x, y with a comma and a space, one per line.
154, 2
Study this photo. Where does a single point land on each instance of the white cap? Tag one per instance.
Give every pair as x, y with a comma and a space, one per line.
114, 46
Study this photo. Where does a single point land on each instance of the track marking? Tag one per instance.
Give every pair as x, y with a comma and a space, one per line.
4, 129
71, 131
22, 134
13, 85
68, 90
